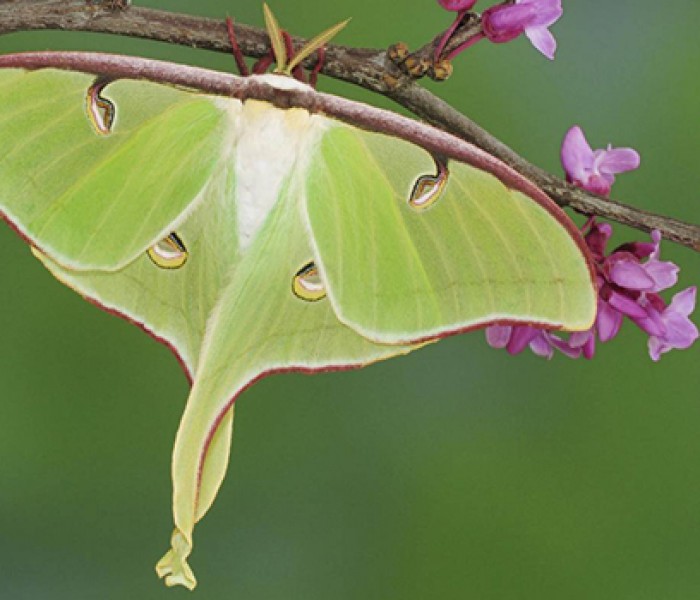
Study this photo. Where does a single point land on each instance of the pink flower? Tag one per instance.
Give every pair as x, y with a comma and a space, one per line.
504, 22
624, 269
457, 5
516, 338
628, 287
584, 341
594, 170
678, 330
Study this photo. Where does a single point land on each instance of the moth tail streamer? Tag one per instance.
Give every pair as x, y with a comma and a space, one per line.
173, 568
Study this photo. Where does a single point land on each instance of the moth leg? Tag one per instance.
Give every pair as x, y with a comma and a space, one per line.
236, 49
298, 71
313, 76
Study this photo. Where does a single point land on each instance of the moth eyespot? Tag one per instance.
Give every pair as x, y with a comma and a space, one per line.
307, 284
100, 110
169, 253
428, 188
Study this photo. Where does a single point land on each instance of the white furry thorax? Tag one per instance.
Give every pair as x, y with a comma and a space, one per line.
268, 145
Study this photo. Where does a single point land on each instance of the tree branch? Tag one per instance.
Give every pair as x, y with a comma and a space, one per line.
369, 68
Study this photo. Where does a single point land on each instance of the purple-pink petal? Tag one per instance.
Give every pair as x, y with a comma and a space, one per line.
656, 348
540, 345
679, 331
639, 249
457, 5
651, 323
583, 342
664, 274
546, 12
522, 335
566, 348
597, 239
627, 306
579, 338
589, 348
505, 22
608, 321
597, 183
498, 336
607, 177
542, 39
619, 160
656, 240
576, 155
631, 275
683, 303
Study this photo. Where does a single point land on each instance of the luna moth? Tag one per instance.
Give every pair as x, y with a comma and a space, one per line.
254, 236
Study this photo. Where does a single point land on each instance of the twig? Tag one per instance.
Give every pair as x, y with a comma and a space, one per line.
368, 68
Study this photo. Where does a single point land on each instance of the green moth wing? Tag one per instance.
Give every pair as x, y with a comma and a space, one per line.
255, 240
97, 201
404, 261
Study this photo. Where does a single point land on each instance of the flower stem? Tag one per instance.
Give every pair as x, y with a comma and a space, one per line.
462, 47
448, 34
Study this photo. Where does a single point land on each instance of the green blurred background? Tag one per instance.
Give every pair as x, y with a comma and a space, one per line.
458, 472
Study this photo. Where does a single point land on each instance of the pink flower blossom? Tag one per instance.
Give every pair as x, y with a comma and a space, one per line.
518, 337
678, 330
624, 269
504, 22
594, 170
627, 287
457, 5
584, 341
